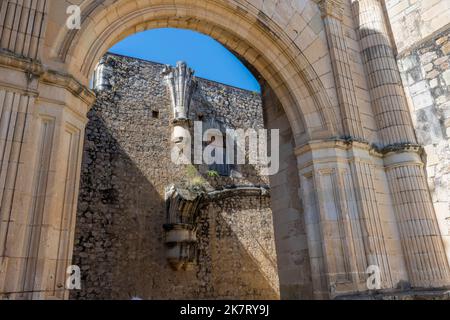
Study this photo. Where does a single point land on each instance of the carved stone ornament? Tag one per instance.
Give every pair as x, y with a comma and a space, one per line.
181, 84
183, 207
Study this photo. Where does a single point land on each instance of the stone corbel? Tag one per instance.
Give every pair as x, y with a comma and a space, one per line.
181, 84
181, 228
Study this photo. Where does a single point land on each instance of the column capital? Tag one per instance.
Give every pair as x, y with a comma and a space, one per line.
331, 8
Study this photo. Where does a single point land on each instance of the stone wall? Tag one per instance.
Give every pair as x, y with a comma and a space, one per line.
413, 21
237, 250
426, 75
421, 32
126, 168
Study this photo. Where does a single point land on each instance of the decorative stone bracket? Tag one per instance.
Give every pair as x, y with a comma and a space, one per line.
182, 210
183, 207
181, 83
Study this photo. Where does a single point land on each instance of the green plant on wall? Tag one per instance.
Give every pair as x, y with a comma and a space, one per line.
191, 171
213, 174
193, 177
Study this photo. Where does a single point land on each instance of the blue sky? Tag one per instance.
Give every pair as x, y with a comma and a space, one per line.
206, 56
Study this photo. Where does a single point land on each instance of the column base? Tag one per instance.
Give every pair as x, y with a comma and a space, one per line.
411, 294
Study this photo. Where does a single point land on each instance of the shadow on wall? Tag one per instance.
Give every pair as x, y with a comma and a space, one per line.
389, 106
293, 258
119, 220
119, 242
236, 250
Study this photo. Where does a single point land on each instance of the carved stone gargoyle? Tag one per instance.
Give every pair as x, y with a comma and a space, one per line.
180, 230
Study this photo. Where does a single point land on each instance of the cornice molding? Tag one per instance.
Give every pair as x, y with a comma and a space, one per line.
35, 69
346, 144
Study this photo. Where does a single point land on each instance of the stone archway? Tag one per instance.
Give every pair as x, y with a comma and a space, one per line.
296, 286
358, 211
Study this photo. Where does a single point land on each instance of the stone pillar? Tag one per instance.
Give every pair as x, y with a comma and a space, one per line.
365, 197
43, 115
332, 15
420, 235
385, 85
421, 241
41, 133
374, 235
346, 229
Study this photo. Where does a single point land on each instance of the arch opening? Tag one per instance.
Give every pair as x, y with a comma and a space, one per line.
129, 92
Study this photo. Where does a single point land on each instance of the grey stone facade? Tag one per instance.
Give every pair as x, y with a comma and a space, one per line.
426, 77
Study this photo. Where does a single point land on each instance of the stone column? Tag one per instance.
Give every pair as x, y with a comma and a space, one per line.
43, 115
385, 86
342, 217
423, 248
359, 171
421, 241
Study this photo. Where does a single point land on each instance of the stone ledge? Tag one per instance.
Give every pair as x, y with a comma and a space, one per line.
419, 294
35, 69
348, 143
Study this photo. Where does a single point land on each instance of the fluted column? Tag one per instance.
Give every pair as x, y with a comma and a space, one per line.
361, 175
345, 230
420, 235
373, 235
421, 240
385, 85
22, 26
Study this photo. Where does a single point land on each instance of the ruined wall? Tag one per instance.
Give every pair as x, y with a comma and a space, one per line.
236, 250
126, 167
421, 31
